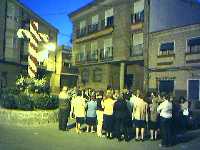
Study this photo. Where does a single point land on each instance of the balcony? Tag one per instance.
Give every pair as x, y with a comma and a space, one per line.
95, 30
193, 54
69, 69
92, 56
106, 54
81, 33
80, 58
137, 50
137, 21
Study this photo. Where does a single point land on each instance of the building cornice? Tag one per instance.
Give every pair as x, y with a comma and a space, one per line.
34, 14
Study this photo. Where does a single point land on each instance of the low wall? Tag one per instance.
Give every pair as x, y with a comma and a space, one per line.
28, 118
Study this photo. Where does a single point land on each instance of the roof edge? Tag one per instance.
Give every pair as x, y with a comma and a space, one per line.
29, 10
73, 13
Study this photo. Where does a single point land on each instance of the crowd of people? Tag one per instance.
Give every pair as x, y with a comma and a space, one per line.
115, 114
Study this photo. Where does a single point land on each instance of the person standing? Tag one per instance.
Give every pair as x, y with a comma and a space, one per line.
165, 110
78, 108
140, 115
107, 105
184, 107
64, 109
99, 98
153, 123
91, 116
121, 116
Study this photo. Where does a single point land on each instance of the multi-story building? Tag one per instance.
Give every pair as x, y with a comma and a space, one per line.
14, 51
173, 49
108, 44
68, 72
123, 42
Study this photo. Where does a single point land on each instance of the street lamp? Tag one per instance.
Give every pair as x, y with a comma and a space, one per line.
44, 54
50, 47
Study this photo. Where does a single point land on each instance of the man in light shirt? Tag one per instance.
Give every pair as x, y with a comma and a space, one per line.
140, 115
165, 111
78, 108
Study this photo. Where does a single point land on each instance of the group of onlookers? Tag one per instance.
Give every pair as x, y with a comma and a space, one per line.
115, 113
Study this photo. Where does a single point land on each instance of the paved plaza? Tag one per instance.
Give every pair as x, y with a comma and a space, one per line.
49, 138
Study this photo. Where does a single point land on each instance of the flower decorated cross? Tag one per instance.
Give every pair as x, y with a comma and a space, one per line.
35, 37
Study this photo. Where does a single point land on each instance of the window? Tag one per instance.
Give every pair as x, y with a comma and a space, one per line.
193, 91
97, 75
166, 48
138, 6
93, 55
138, 44
166, 86
193, 45
82, 53
95, 19
82, 28
65, 64
138, 17
82, 24
138, 12
94, 26
85, 76
108, 48
109, 18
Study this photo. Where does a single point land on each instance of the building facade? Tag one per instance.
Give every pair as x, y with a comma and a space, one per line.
68, 72
108, 44
14, 51
174, 61
173, 49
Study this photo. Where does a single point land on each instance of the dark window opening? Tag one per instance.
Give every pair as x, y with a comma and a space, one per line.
167, 48
193, 45
166, 86
193, 90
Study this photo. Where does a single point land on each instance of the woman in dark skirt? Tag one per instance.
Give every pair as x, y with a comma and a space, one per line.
91, 117
107, 105
153, 123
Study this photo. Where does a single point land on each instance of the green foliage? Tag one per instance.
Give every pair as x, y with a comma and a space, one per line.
11, 100
29, 94
44, 101
31, 85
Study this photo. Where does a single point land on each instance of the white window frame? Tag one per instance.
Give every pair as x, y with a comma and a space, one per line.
189, 38
95, 19
163, 42
167, 79
188, 87
108, 13
92, 49
83, 51
138, 3
109, 45
82, 24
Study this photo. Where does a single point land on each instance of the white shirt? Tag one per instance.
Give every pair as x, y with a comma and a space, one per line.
165, 109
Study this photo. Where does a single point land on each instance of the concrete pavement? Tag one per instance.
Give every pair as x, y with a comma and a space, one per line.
49, 138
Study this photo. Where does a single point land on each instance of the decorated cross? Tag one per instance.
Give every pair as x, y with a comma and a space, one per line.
35, 37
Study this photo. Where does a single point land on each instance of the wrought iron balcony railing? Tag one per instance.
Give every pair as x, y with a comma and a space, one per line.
95, 27
137, 50
106, 54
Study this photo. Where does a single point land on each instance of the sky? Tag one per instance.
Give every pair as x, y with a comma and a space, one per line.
56, 12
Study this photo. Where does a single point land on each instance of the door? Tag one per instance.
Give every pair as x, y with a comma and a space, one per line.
193, 89
129, 78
